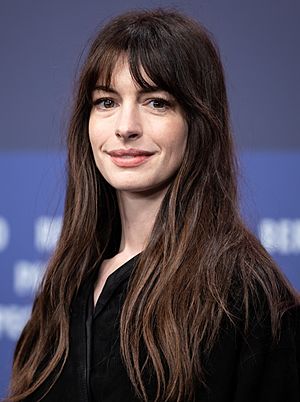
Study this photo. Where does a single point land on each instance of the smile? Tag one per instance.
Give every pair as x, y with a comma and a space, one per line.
131, 157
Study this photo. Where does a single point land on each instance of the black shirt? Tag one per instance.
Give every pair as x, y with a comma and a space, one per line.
238, 369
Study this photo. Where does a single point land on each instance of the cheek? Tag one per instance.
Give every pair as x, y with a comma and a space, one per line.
95, 133
91, 131
179, 140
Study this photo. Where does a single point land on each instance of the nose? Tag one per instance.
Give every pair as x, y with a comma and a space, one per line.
128, 123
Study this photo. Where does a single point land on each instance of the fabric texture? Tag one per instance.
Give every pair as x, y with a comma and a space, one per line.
238, 369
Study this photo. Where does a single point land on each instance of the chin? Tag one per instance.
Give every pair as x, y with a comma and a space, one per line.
132, 188
141, 188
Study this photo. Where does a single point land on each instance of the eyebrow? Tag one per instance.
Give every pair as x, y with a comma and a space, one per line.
140, 91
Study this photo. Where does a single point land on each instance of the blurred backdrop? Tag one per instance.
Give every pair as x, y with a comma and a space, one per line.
42, 45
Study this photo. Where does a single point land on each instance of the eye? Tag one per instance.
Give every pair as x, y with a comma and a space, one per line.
104, 103
159, 103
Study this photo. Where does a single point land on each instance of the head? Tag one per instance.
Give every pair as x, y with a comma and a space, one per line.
167, 53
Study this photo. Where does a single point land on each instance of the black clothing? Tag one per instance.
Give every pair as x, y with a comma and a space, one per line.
238, 370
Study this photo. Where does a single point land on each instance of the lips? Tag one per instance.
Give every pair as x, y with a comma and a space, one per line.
129, 152
128, 158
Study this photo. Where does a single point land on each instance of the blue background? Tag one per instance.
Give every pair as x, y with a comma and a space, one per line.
42, 45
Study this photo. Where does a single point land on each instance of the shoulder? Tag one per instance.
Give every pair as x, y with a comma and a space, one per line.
264, 317
269, 347
247, 366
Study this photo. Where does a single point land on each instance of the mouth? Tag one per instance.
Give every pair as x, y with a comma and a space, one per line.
129, 152
128, 158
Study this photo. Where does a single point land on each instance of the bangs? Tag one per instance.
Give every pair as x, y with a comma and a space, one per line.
144, 73
151, 58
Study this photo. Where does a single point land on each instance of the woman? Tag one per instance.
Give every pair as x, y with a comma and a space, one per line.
156, 291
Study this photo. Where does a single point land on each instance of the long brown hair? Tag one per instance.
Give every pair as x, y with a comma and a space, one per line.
201, 264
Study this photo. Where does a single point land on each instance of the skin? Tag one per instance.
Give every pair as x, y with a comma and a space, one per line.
123, 117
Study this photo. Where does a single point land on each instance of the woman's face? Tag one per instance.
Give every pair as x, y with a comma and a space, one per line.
138, 138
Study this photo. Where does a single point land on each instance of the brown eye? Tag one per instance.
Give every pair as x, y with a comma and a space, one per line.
104, 103
159, 103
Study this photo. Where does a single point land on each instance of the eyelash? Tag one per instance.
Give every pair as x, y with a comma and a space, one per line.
97, 102
166, 103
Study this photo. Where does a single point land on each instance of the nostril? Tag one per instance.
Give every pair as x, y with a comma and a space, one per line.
128, 134
134, 135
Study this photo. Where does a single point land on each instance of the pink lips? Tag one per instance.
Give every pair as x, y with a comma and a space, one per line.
129, 157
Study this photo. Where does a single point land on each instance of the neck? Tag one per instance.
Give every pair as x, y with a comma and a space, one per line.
138, 213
